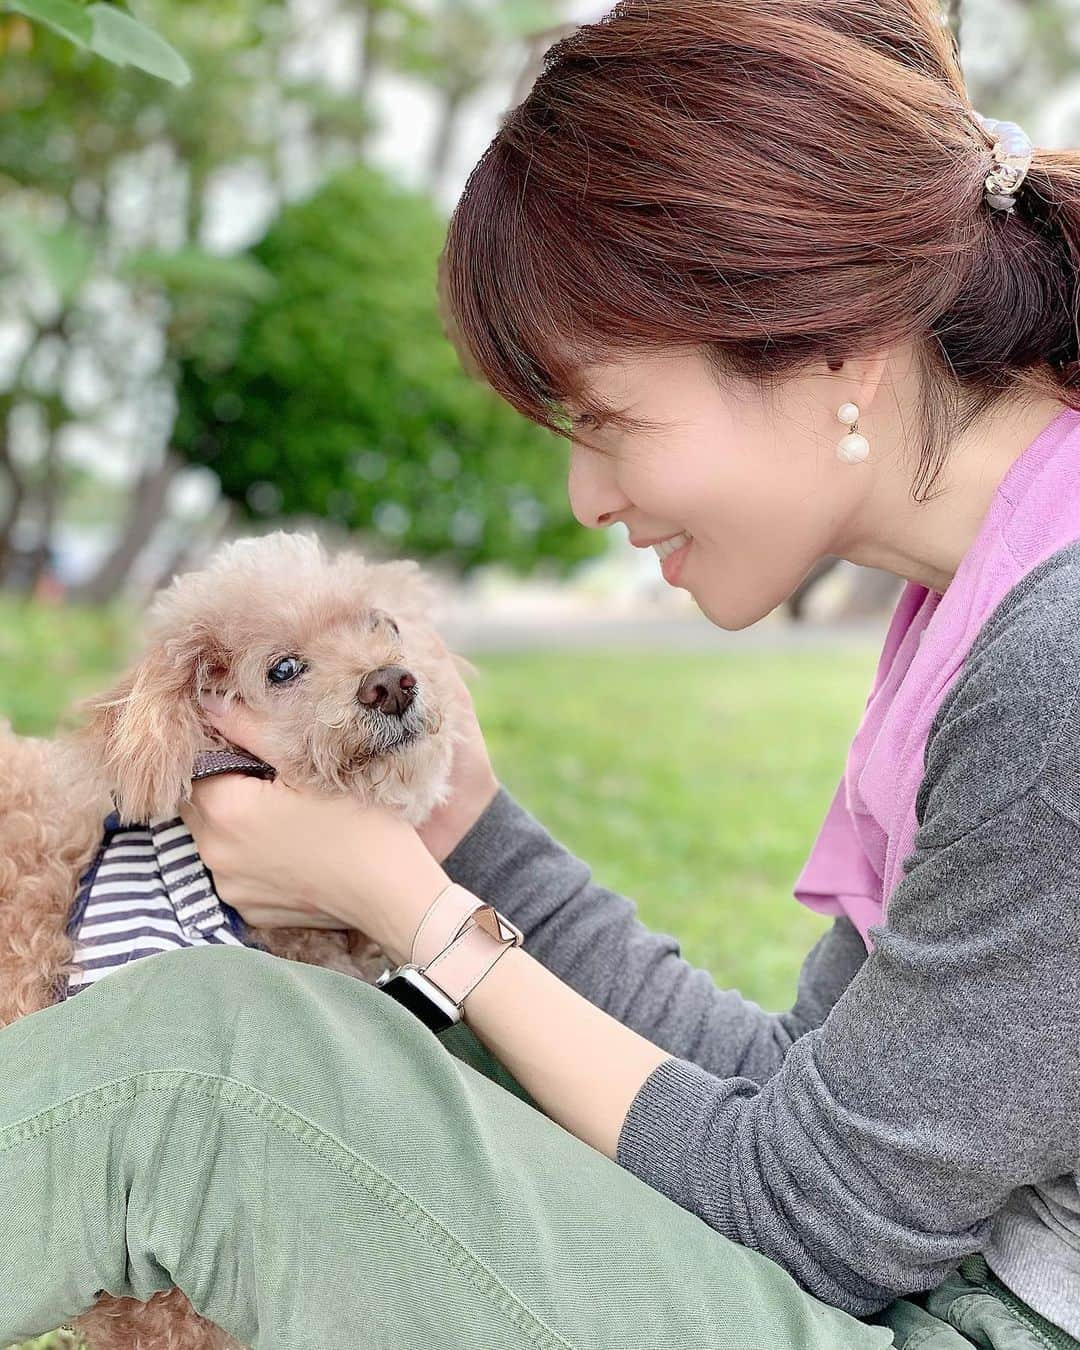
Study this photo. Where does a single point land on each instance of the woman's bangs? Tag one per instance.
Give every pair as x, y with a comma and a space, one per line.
506, 296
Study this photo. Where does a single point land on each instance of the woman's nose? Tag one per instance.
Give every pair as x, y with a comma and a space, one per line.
595, 498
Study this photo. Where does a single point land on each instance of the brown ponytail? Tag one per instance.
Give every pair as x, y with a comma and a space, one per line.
777, 183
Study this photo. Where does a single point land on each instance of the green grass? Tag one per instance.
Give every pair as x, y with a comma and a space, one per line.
695, 783
50, 657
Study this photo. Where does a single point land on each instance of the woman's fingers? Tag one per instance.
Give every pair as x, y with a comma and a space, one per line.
238, 724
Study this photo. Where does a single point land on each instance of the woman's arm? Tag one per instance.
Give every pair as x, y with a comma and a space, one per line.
946, 1077
592, 939
876, 1157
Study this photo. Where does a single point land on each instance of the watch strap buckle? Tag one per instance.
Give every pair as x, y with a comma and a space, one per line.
448, 914
459, 939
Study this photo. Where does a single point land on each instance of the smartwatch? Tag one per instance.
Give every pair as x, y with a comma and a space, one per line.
409, 986
459, 939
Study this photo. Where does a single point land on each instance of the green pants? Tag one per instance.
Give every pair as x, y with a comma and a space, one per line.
313, 1168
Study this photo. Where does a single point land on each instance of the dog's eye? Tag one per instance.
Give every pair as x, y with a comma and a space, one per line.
286, 670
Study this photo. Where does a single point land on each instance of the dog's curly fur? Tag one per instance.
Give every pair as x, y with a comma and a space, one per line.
222, 629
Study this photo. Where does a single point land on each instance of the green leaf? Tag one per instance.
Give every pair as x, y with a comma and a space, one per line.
62, 16
122, 39
192, 270
63, 254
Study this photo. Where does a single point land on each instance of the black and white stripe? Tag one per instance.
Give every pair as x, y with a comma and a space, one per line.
149, 893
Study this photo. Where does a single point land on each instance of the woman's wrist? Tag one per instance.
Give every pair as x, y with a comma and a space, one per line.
403, 913
388, 903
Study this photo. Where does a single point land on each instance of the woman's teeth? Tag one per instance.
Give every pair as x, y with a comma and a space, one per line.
670, 546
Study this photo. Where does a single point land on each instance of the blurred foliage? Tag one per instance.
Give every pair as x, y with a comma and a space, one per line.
104, 177
339, 396
105, 29
107, 180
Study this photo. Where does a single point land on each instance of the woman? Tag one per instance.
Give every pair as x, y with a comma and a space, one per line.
713, 236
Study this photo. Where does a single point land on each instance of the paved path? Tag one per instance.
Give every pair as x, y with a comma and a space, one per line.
662, 631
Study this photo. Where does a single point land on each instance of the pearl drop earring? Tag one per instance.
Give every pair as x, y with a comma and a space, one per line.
854, 448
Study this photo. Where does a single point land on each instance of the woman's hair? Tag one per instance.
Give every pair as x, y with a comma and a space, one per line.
776, 183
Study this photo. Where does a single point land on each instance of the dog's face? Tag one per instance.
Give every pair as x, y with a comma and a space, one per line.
336, 656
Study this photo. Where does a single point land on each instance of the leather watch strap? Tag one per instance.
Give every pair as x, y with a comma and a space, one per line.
461, 967
447, 914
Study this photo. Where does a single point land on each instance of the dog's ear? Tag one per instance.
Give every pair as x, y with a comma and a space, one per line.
146, 732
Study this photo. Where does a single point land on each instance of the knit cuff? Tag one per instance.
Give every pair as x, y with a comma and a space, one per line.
664, 1130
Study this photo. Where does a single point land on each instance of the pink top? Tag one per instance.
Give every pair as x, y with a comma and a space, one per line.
869, 830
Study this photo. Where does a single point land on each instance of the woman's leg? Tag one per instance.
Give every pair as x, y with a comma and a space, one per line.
299, 1155
914, 1327
970, 1307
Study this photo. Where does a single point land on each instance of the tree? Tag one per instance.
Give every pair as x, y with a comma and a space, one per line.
73, 128
339, 396
460, 48
103, 29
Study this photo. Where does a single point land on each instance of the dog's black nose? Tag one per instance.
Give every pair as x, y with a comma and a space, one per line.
391, 690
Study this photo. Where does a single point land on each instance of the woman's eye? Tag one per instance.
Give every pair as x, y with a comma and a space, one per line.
286, 670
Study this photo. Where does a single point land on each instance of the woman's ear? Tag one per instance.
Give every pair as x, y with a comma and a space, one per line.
146, 732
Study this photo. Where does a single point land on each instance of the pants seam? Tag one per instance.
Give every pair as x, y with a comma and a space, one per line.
358, 1169
968, 1298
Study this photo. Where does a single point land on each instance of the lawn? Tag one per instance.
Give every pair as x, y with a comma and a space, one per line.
694, 783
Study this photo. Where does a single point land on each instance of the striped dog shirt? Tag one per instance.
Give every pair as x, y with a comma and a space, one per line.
148, 891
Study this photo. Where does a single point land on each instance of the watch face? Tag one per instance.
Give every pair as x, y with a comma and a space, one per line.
409, 996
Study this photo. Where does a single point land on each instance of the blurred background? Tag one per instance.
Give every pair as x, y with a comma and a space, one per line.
219, 228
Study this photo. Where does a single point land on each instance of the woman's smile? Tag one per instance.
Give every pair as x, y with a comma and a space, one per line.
674, 557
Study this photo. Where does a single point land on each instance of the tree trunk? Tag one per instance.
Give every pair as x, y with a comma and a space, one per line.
14, 503
796, 601
18, 484
369, 26
445, 138
145, 511
873, 592
195, 546
48, 500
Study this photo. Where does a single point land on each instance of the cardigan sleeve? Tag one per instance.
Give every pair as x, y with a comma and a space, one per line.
592, 939
945, 1076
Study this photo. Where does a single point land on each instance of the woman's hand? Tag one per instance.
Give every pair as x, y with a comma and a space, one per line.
287, 857
473, 784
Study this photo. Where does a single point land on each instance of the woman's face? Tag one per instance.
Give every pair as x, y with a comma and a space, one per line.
758, 487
